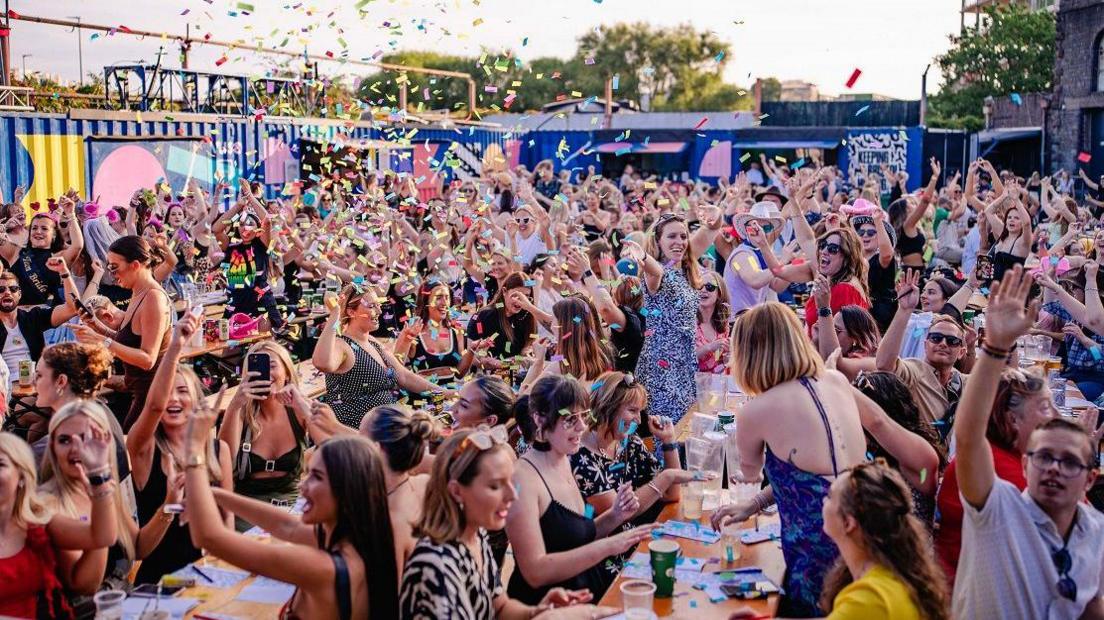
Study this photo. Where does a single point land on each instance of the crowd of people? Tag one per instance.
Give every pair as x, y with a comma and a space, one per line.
505, 360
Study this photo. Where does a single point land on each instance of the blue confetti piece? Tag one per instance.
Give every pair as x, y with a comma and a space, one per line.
588, 512
617, 466
616, 81
1016, 99
632, 428
862, 109
719, 56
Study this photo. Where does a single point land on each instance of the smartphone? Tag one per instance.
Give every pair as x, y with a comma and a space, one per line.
153, 590
81, 308
259, 363
984, 269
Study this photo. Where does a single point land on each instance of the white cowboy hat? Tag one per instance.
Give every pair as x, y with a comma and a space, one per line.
759, 212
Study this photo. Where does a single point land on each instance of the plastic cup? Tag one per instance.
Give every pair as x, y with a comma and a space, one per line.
664, 553
109, 604
636, 599
693, 493
730, 545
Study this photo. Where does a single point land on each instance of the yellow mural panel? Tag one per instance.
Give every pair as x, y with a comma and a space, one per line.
58, 165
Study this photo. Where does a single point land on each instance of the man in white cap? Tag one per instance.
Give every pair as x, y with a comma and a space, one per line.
746, 273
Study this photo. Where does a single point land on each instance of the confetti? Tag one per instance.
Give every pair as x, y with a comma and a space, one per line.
1084, 157
1016, 98
854, 78
862, 109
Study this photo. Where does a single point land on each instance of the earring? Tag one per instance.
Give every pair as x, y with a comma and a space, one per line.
461, 503
21, 484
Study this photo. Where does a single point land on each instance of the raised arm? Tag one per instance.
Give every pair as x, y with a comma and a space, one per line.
908, 295
1007, 318
276, 521
100, 529
919, 462
329, 353
653, 271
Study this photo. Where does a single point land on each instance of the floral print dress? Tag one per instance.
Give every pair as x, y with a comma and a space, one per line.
667, 363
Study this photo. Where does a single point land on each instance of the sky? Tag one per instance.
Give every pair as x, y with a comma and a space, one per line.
890, 41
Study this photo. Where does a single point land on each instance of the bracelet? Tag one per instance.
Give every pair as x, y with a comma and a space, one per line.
102, 492
653, 486
667, 447
760, 502
98, 478
993, 352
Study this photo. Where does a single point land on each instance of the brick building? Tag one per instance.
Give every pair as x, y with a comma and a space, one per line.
1075, 118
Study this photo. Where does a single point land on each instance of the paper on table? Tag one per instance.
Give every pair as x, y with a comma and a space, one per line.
265, 590
769, 531
134, 606
691, 530
212, 576
639, 566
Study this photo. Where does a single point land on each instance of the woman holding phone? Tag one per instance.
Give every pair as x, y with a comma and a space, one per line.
265, 427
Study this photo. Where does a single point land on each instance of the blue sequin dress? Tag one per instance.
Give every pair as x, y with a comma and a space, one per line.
667, 362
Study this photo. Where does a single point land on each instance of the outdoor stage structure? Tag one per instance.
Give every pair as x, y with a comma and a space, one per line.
109, 154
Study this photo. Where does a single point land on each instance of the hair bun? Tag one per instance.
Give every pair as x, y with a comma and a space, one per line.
422, 425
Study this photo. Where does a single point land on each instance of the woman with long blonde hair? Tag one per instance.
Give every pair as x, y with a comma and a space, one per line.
31, 534
671, 282
157, 444
803, 427
265, 427
65, 490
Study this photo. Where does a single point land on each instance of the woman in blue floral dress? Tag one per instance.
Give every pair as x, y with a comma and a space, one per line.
671, 282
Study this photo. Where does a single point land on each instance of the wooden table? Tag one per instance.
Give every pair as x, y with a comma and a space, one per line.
218, 346
221, 600
688, 602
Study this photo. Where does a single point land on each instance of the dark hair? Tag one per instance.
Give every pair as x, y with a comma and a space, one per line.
86, 366
355, 471
58, 242
498, 304
421, 304
542, 408
898, 212
133, 248
894, 397
402, 435
946, 286
861, 326
880, 501
497, 397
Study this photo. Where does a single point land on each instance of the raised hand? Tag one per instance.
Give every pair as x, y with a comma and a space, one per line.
908, 290
1008, 315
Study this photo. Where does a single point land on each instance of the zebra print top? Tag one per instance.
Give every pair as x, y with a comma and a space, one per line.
443, 582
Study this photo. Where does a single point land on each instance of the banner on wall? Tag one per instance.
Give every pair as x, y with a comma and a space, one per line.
871, 150
121, 167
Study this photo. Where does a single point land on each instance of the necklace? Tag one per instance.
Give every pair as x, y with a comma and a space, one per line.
602, 449
399, 485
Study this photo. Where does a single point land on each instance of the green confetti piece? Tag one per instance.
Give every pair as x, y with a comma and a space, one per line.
245, 6
923, 475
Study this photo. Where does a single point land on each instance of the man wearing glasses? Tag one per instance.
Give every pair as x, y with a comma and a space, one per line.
1035, 554
933, 380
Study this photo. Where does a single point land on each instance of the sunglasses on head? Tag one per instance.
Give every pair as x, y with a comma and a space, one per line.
937, 338
481, 439
831, 248
711, 287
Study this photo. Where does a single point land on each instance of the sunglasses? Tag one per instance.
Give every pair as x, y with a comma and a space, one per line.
481, 439
831, 248
867, 232
521, 220
11, 289
937, 338
712, 288
576, 421
1063, 562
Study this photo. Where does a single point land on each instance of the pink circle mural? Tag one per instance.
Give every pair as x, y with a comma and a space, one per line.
123, 171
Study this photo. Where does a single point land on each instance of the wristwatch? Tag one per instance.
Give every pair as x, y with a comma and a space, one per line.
99, 479
824, 312
108, 342
195, 460
588, 274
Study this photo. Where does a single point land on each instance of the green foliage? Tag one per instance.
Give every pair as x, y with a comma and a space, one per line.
1012, 52
677, 68
772, 89
51, 96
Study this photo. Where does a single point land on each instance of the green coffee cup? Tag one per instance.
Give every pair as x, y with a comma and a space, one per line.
664, 554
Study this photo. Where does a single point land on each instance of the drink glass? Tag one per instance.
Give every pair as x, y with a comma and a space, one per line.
730, 544
693, 493
636, 599
109, 604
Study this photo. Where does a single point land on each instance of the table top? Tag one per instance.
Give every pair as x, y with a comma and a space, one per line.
221, 600
218, 346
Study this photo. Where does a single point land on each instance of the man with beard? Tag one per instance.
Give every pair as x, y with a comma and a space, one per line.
22, 330
933, 380
1034, 554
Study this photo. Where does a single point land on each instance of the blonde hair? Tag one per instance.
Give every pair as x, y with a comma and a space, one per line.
252, 407
689, 266
195, 391
28, 509
442, 518
612, 390
65, 491
770, 347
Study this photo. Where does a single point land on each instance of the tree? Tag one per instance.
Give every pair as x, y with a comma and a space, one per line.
771, 89
1012, 52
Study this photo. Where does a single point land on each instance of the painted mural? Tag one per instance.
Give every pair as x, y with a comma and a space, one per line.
874, 149
119, 168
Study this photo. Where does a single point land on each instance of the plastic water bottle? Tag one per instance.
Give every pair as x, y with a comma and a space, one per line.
1057, 388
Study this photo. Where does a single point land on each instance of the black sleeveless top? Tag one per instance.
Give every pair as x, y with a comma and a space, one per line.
175, 550
133, 375
289, 463
424, 360
562, 529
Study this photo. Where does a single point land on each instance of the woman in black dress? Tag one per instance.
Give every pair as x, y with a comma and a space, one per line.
556, 543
